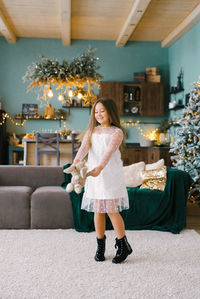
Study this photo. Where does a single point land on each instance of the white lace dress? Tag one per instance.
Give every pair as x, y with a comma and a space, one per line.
107, 192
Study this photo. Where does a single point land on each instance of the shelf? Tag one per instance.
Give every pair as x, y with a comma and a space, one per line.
24, 118
18, 151
66, 107
174, 124
177, 107
131, 114
133, 84
46, 119
176, 91
154, 146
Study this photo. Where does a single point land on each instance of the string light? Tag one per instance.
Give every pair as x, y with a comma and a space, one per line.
60, 97
11, 119
3, 119
50, 92
70, 93
79, 96
150, 135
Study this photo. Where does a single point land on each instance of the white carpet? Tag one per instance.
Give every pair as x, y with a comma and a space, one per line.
60, 264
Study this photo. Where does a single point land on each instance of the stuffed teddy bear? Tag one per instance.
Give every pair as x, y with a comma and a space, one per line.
79, 175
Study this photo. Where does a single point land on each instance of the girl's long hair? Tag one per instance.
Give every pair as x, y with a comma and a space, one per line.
114, 118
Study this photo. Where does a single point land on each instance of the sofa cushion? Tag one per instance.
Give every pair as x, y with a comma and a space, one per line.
15, 207
33, 176
158, 164
132, 174
51, 208
154, 179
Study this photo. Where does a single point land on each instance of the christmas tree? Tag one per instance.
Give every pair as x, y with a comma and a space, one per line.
186, 147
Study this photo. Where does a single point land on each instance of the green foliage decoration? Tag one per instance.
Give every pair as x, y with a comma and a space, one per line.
81, 74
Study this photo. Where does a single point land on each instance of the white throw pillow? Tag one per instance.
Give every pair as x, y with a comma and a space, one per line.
160, 163
132, 174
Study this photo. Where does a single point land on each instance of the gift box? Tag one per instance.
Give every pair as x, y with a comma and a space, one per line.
154, 78
152, 71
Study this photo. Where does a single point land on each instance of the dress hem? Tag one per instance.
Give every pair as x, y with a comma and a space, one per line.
105, 205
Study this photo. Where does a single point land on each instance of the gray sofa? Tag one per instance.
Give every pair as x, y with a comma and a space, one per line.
31, 197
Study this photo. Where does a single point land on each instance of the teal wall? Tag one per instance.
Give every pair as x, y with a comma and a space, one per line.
116, 64
185, 54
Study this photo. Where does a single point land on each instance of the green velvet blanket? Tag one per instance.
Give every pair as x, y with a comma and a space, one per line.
149, 209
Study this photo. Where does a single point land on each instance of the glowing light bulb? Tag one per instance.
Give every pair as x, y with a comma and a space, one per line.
50, 93
79, 96
60, 97
70, 93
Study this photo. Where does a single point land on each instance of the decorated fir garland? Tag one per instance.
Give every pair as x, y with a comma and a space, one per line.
80, 75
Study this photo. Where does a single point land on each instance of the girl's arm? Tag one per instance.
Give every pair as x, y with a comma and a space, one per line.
112, 146
83, 149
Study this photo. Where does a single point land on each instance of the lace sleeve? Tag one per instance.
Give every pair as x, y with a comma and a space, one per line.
112, 146
84, 148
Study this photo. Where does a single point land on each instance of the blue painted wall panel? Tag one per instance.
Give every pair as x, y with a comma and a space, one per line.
117, 64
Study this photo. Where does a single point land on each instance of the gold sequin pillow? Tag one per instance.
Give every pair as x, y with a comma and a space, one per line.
154, 179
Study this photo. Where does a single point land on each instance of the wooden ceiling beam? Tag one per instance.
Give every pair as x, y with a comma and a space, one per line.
192, 19
65, 15
136, 13
6, 31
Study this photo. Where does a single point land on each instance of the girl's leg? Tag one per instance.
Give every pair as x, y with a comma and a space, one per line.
100, 224
118, 224
124, 248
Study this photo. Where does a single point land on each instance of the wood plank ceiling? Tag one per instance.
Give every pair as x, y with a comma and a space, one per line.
116, 20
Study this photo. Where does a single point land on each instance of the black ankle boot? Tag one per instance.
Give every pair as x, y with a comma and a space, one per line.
123, 250
101, 246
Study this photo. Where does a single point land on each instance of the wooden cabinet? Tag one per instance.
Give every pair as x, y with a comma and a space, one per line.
157, 154
111, 90
134, 155
148, 155
164, 154
145, 98
130, 99
152, 99
153, 155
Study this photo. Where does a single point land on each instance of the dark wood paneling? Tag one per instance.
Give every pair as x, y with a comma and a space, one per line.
152, 99
148, 155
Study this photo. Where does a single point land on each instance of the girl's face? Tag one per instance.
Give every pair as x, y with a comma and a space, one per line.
101, 115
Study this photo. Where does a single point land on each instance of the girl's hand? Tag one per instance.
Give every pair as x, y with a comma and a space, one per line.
96, 171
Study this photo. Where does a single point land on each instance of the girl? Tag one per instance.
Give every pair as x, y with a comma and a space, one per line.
105, 190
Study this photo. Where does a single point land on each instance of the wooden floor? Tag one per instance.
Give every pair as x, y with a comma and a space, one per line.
193, 217
193, 223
